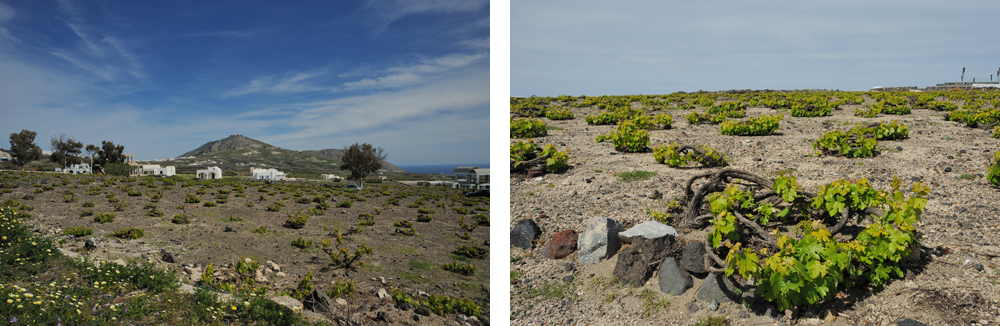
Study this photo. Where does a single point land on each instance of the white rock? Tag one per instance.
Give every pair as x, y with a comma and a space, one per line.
382, 294
422, 294
341, 301
382, 279
600, 240
648, 230
279, 274
273, 266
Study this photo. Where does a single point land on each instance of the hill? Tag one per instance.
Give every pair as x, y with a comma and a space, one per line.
238, 152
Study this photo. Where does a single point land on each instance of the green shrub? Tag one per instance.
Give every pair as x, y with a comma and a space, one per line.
120, 205
275, 207
481, 219
868, 112
88, 204
527, 128
425, 211
341, 288
811, 109
130, 232
993, 173
471, 251
891, 131
260, 230
78, 231
463, 269
367, 222
636, 175
558, 114
443, 305
191, 199
424, 218
627, 137
181, 219
605, 118
104, 218
853, 143
345, 203
403, 224
756, 126
996, 131
210, 204
87, 212
672, 156
301, 243
117, 169
297, 220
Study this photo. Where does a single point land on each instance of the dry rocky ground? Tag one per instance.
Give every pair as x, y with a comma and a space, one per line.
953, 283
410, 263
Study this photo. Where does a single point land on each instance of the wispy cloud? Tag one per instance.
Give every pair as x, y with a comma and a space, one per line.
6, 13
246, 34
400, 76
97, 52
390, 10
289, 83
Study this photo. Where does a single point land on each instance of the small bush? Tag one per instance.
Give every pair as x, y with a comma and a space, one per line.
527, 128
481, 219
868, 112
406, 231
191, 199
275, 207
297, 220
78, 231
558, 114
341, 288
301, 243
403, 224
130, 232
627, 137
673, 157
181, 219
345, 204
210, 204
367, 222
104, 218
471, 251
260, 230
88, 204
605, 118
235, 219
756, 126
120, 206
87, 212
463, 269
425, 211
853, 143
993, 173
424, 218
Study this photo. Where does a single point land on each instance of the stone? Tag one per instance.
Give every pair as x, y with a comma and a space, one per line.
90, 244
381, 316
714, 305
273, 266
259, 278
524, 234
691, 307
229, 229
340, 302
279, 274
423, 311
317, 301
655, 194
119, 261
830, 315
405, 306
568, 278
563, 244
381, 280
288, 301
168, 257
693, 258
718, 287
382, 294
915, 179
673, 280
533, 174
767, 309
648, 230
486, 243
910, 322
636, 264
600, 241
416, 318
978, 266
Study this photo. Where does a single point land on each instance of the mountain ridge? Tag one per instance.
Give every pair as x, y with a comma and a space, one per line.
249, 148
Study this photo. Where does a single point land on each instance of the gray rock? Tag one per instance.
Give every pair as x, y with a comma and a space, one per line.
90, 244
287, 301
600, 241
317, 301
168, 257
718, 287
978, 266
673, 279
229, 229
910, 322
691, 307
635, 264
693, 259
405, 306
655, 194
524, 234
714, 305
648, 230
568, 278
423, 311
381, 316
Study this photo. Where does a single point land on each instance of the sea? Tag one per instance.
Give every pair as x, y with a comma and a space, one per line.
439, 168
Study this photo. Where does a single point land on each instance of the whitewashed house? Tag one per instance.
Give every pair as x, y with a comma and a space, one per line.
267, 174
4, 156
330, 177
209, 174
156, 169
470, 177
82, 168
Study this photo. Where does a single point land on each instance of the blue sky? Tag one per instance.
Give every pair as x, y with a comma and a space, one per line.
164, 77
589, 47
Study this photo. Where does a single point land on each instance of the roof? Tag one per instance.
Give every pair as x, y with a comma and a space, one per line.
464, 169
480, 171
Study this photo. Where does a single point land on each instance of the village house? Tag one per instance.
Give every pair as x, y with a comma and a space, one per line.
267, 174
211, 173
155, 169
330, 177
82, 168
4, 157
470, 177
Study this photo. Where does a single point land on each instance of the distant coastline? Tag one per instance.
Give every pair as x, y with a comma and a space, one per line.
438, 168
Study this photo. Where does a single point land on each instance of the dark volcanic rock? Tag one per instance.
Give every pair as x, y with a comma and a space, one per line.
562, 244
673, 279
693, 259
317, 301
718, 287
910, 322
535, 174
90, 244
524, 234
169, 257
423, 311
636, 264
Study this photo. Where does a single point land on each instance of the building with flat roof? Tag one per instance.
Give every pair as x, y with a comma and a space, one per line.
470, 177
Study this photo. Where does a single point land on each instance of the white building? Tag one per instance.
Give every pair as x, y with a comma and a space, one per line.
470, 177
330, 177
267, 174
4, 157
156, 169
83, 168
208, 174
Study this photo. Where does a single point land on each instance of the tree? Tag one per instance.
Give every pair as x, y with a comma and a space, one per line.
362, 160
64, 150
91, 150
108, 154
23, 148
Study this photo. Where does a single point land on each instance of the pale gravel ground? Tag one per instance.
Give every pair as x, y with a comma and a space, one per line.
960, 216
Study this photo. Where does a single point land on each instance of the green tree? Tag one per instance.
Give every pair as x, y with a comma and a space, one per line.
23, 148
108, 154
64, 150
91, 150
362, 160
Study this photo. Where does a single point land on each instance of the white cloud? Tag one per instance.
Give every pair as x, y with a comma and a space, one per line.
230, 33
406, 75
290, 83
390, 10
6, 13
